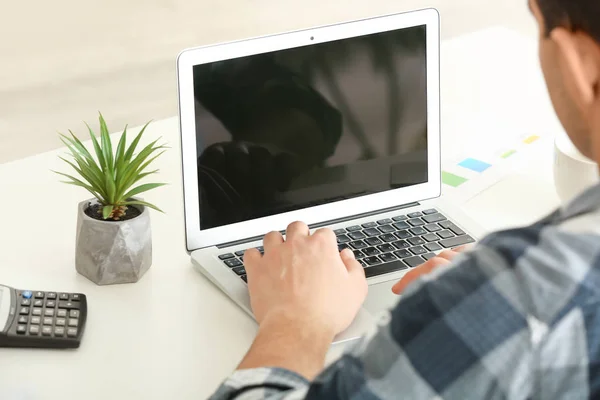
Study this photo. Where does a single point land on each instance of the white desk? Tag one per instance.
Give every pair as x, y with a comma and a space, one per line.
173, 335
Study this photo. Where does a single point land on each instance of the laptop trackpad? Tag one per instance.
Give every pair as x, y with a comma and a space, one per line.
380, 297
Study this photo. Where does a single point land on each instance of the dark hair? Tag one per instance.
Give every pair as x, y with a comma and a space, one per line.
576, 15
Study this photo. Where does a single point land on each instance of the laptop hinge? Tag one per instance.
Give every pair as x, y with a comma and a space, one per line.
324, 223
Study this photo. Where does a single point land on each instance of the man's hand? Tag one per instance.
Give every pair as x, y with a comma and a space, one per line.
303, 292
305, 277
442, 259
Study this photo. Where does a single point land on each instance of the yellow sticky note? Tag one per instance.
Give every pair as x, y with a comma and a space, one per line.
531, 139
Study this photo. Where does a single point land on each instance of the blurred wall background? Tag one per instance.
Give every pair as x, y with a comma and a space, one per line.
64, 60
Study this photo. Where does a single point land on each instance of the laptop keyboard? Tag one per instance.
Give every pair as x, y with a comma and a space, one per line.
387, 245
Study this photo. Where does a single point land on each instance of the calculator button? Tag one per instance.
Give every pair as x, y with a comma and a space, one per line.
50, 304
75, 297
47, 330
240, 253
36, 311
73, 322
59, 331
38, 303
39, 295
25, 302
23, 319
72, 332
34, 329
60, 322
21, 329
49, 312
35, 320
68, 304
51, 296
74, 313
24, 311
63, 296
48, 320
61, 313
27, 294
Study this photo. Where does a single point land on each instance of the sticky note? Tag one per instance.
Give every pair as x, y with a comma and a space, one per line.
452, 180
531, 139
508, 153
474, 165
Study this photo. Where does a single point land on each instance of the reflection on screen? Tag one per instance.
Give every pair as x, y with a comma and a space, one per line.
291, 129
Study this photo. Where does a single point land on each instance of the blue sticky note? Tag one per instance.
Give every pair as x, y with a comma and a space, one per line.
474, 165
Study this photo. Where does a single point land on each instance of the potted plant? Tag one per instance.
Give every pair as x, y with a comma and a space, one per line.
114, 241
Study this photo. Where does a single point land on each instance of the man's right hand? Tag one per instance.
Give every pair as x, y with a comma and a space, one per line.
305, 278
441, 260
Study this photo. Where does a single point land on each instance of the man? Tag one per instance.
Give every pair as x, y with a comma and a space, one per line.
517, 317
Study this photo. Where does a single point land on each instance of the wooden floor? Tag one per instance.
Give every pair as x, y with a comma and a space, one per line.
63, 61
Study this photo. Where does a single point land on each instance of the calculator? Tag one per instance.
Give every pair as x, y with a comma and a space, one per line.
41, 319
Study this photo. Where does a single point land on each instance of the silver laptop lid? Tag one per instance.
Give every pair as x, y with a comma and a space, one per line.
313, 125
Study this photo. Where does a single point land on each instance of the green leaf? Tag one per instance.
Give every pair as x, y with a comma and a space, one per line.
141, 189
142, 176
79, 146
138, 174
93, 175
119, 159
110, 187
77, 182
97, 149
82, 156
141, 203
133, 145
132, 169
85, 174
106, 210
106, 145
72, 149
145, 165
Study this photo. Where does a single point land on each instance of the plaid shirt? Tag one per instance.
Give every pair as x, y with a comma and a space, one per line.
516, 318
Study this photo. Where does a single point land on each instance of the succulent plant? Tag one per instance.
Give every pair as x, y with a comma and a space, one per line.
110, 176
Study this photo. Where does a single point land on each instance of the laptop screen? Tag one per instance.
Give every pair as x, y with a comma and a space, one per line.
296, 128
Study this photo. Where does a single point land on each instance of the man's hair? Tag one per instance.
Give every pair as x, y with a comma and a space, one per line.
576, 15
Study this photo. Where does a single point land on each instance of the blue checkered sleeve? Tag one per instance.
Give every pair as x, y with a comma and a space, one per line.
517, 317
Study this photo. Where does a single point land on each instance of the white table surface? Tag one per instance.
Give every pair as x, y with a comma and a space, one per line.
173, 334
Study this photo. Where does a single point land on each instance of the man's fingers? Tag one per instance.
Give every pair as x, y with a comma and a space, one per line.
415, 273
296, 230
353, 266
272, 239
447, 254
326, 235
251, 258
355, 270
347, 256
463, 248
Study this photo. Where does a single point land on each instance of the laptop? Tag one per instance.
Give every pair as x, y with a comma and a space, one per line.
336, 126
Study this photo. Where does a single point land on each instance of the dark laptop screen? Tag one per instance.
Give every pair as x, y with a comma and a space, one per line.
296, 128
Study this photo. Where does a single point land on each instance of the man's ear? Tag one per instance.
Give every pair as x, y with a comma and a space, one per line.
579, 57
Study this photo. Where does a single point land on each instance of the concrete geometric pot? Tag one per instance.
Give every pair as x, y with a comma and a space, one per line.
110, 252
